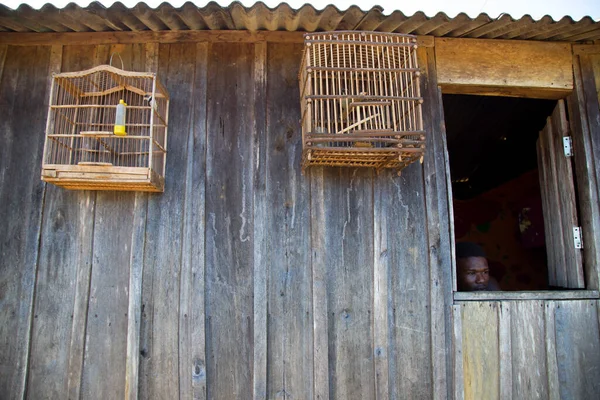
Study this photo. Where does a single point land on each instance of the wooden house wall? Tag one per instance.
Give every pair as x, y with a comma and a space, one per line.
245, 278
530, 349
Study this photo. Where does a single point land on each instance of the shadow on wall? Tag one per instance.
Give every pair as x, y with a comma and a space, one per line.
507, 222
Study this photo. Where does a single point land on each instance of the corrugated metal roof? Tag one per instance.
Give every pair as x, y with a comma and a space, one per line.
98, 18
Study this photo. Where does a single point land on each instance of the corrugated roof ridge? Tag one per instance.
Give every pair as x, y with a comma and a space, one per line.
328, 8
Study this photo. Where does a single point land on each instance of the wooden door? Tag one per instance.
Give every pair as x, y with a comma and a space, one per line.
565, 267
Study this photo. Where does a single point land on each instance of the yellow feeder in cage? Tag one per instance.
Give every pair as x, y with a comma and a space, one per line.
120, 119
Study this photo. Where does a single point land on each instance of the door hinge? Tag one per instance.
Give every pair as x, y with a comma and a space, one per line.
568, 146
577, 237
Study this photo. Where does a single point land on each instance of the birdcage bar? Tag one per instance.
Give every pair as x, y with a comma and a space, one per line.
79, 131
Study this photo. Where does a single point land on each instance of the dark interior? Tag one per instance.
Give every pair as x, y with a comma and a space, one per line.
491, 140
497, 202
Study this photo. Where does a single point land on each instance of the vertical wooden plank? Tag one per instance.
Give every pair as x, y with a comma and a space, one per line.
381, 294
578, 349
585, 130
82, 293
403, 205
505, 350
23, 107
566, 192
584, 111
592, 107
530, 379
551, 360
136, 266
553, 215
262, 261
319, 284
481, 358
62, 287
349, 220
106, 331
438, 225
458, 358
192, 357
151, 275
164, 234
134, 309
229, 231
287, 225
548, 220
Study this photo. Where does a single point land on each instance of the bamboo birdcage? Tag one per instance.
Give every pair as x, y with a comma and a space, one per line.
360, 100
81, 150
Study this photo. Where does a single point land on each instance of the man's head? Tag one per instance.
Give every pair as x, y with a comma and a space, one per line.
472, 267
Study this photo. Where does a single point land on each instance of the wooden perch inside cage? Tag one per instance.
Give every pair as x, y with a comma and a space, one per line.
360, 100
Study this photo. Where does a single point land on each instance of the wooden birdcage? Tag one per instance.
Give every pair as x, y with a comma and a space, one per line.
82, 150
360, 100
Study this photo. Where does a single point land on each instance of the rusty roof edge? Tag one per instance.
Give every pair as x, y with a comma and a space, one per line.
327, 8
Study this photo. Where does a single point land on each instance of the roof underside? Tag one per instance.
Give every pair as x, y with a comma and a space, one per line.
97, 18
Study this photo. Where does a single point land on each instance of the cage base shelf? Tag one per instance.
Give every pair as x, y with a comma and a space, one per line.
394, 159
103, 177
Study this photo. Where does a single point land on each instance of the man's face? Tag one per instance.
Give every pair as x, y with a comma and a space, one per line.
473, 273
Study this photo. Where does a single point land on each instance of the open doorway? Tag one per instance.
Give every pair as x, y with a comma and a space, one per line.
496, 183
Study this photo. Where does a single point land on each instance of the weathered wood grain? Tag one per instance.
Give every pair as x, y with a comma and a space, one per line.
547, 349
543, 175
192, 361
457, 356
262, 261
80, 309
438, 225
23, 85
62, 286
146, 340
589, 77
136, 266
551, 359
170, 36
586, 160
287, 228
526, 295
134, 308
530, 376
557, 267
481, 358
381, 293
472, 66
229, 220
566, 192
578, 349
579, 49
409, 298
164, 235
349, 220
505, 349
106, 331
319, 284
